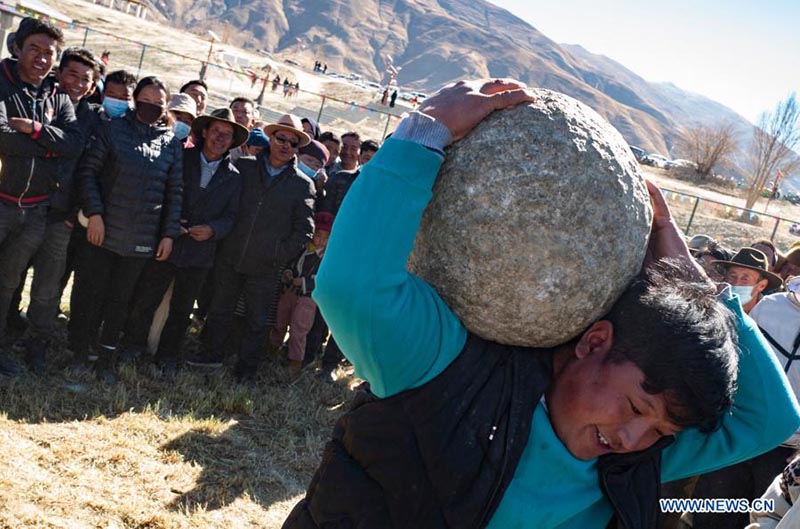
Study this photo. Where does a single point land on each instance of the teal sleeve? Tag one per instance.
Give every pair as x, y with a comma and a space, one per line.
389, 323
764, 413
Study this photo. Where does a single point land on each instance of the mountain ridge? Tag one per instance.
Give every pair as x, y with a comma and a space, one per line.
435, 42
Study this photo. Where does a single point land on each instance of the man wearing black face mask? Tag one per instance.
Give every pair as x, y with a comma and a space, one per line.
37, 130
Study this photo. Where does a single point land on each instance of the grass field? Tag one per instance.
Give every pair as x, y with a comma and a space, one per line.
197, 451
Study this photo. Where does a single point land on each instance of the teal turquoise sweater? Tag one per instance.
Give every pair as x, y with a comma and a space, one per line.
399, 334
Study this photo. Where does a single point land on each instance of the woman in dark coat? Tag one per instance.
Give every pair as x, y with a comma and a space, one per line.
130, 182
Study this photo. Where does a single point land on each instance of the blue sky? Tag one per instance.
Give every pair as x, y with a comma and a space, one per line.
744, 54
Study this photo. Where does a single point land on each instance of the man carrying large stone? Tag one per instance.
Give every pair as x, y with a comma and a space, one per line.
460, 431
274, 225
37, 131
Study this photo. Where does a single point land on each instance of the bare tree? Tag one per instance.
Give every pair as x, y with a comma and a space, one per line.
709, 146
774, 142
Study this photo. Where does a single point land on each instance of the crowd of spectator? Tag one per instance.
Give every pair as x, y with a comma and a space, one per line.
151, 199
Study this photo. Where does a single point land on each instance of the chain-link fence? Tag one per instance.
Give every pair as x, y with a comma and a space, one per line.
732, 225
349, 109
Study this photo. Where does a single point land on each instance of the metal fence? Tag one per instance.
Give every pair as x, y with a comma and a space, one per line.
347, 109
734, 226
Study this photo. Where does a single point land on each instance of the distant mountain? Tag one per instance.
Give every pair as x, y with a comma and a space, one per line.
438, 41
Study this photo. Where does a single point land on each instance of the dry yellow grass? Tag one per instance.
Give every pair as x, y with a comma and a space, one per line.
197, 452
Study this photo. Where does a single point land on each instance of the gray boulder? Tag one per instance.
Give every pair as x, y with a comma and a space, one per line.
539, 220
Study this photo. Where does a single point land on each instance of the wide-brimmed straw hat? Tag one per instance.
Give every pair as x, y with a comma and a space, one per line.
754, 260
292, 124
240, 133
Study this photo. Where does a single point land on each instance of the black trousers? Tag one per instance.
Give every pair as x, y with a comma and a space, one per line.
316, 336
332, 356
102, 291
153, 284
259, 291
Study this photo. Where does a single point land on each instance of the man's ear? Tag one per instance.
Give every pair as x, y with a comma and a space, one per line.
16, 49
597, 339
761, 285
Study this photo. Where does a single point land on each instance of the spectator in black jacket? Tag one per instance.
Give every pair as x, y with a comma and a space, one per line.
274, 225
367, 151
311, 161
211, 189
77, 74
198, 89
37, 130
130, 181
340, 180
333, 143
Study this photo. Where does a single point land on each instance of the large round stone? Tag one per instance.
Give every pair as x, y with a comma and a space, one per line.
539, 220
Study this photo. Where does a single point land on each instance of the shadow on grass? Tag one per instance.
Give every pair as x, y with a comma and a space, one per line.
267, 458
234, 464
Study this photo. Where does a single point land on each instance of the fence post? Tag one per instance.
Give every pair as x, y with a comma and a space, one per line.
85, 38
386, 128
775, 229
321, 106
691, 217
141, 59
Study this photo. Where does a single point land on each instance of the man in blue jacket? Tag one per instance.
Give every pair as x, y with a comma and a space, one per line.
461, 432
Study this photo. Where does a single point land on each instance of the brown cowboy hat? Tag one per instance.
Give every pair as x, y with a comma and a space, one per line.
754, 260
225, 115
292, 124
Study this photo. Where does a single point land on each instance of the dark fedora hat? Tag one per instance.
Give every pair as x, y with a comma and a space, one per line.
754, 260
225, 115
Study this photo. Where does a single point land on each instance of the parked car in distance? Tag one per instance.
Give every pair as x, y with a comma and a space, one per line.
672, 164
656, 160
421, 96
373, 84
638, 152
292, 62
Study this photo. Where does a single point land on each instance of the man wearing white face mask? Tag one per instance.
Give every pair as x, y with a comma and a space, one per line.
184, 109
747, 274
311, 160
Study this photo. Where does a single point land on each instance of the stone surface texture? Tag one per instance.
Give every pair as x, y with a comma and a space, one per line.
539, 220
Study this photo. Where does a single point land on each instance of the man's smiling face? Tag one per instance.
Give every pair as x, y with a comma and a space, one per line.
36, 57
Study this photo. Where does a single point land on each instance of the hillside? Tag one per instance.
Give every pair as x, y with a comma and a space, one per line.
436, 42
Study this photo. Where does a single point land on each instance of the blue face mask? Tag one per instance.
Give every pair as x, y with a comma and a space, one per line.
745, 294
309, 172
115, 108
182, 130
